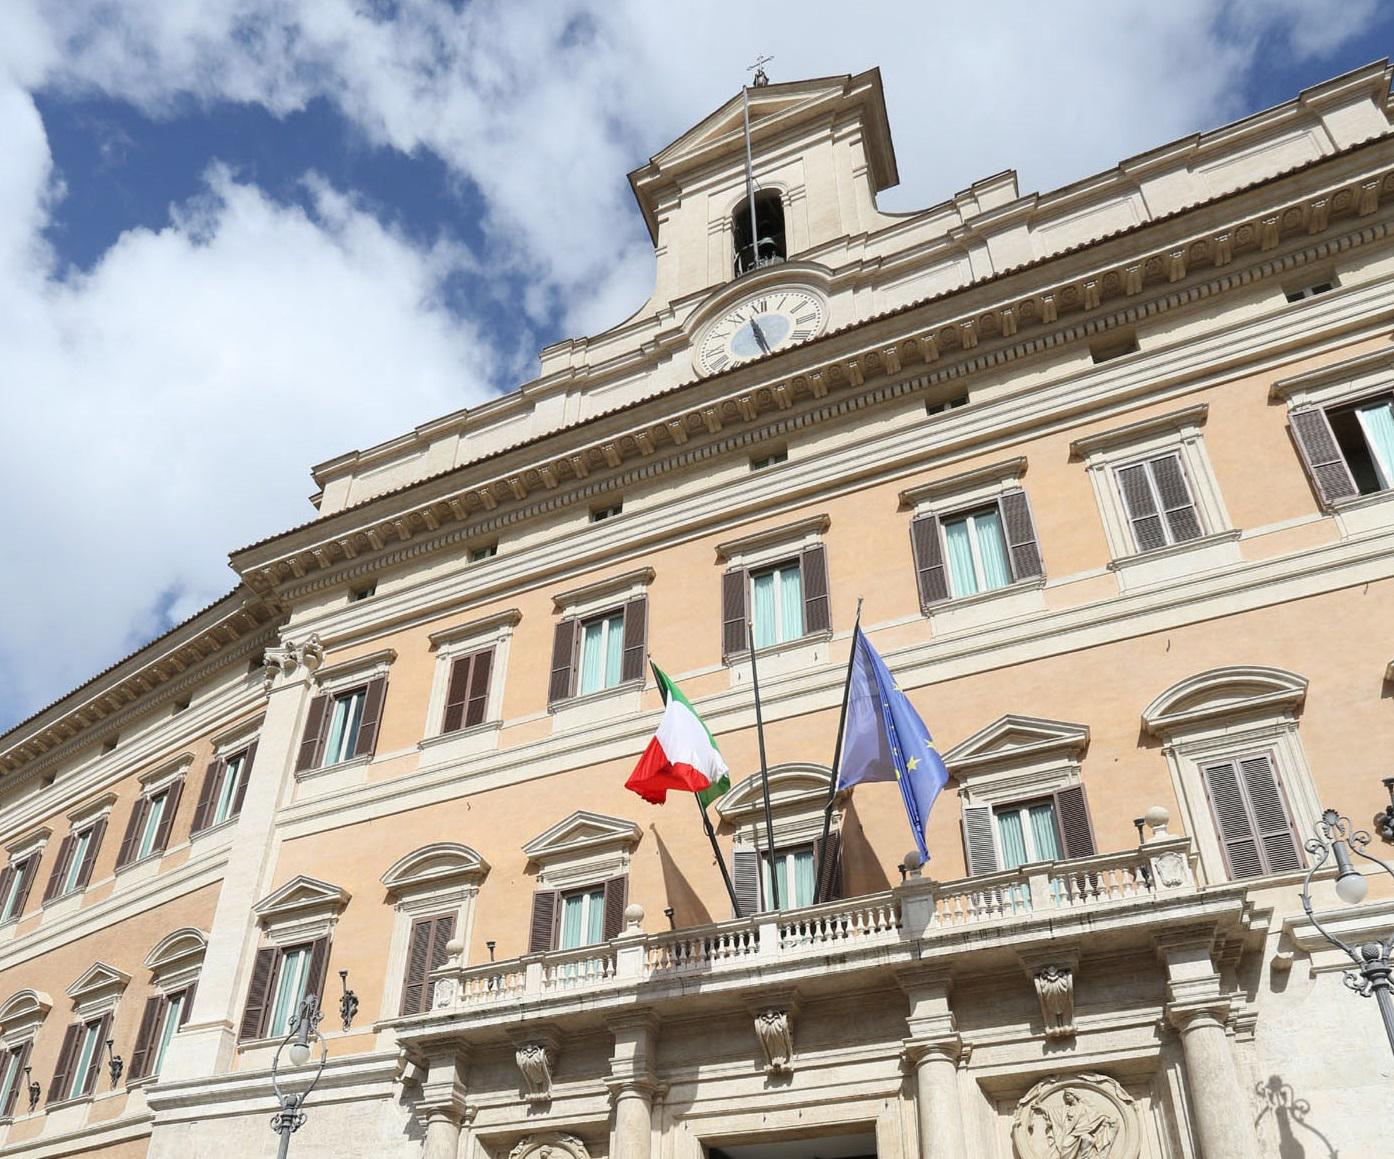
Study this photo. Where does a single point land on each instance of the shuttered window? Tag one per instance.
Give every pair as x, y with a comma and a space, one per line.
599, 652
1047, 828
15, 883
79, 1060
223, 790
797, 869
281, 977
12, 1077
425, 953
77, 854
467, 695
1347, 450
342, 725
776, 603
566, 920
161, 1018
1251, 816
150, 824
978, 550
1161, 510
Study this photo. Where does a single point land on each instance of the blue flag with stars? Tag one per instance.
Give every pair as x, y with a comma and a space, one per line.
885, 739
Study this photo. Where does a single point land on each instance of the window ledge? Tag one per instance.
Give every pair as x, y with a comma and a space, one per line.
226, 823
782, 659
1178, 560
463, 742
781, 648
607, 704
597, 697
961, 613
485, 726
326, 770
140, 862
63, 1104
1031, 583
1357, 514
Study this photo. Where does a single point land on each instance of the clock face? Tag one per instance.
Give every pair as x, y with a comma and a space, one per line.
762, 324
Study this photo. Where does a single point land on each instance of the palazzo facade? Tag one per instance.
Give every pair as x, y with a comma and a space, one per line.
1108, 474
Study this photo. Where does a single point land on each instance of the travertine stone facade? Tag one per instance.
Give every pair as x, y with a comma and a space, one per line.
1109, 472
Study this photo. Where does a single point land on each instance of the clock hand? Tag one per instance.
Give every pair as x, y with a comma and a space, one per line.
759, 335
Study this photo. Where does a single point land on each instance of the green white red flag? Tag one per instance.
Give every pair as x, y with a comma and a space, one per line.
682, 754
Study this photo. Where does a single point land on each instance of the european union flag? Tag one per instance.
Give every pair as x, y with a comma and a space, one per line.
885, 739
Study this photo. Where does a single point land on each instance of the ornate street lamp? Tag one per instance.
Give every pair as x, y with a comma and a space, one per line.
303, 1030
1335, 839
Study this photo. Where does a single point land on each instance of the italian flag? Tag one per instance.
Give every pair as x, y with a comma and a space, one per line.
682, 754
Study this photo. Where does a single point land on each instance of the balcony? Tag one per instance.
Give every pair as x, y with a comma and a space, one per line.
1108, 901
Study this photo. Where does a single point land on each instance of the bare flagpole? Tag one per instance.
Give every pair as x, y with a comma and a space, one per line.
764, 768
837, 761
758, 66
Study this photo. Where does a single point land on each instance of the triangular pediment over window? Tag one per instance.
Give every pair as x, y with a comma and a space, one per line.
99, 979
582, 830
444, 863
301, 896
791, 786
1017, 740
1232, 693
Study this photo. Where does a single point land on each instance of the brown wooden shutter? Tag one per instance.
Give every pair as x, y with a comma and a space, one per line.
259, 993
146, 1037
745, 877
829, 886
978, 844
543, 931
425, 953
12, 1098
616, 898
372, 717
316, 730
319, 963
207, 795
60, 868
636, 638
813, 569
1321, 455
94, 845
6, 876
1272, 822
95, 1067
1076, 830
1020, 530
928, 550
735, 593
58, 1088
1232, 821
243, 776
1142, 508
174, 792
28, 873
131, 840
563, 661
1177, 505
457, 693
477, 706
188, 1008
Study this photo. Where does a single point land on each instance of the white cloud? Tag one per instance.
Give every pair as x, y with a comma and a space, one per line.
172, 399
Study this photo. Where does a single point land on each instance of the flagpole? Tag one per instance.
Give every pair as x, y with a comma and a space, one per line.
720, 861
764, 769
837, 759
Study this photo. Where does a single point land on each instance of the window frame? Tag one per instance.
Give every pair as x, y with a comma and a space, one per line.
610, 646
777, 570
331, 685
969, 518
1147, 463
758, 553
25, 861
492, 633
12, 1080
625, 595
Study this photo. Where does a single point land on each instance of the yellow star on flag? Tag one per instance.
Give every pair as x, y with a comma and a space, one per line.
912, 763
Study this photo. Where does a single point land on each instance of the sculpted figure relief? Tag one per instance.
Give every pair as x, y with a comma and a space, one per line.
776, 1039
1081, 1117
1055, 987
535, 1063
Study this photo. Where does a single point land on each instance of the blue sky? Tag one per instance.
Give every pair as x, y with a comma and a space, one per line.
241, 237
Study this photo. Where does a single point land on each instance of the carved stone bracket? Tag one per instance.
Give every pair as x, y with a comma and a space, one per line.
1052, 973
549, 1145
774, 1028
1084, 1116
281, 661
536, 1056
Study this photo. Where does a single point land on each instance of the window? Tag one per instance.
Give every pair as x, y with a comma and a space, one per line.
15, 1059
1027, 832
1301, 293
343, 723
109, 745
600, 514
224, 787
777, 603
1012, 833
582, 918
602, 647
795, 869
79, 1060
1113, 346
597, 651
16, 880
582, 881
72, 868
943, 406
773, 459
1251, 817
487, 551
426, 953
365, 592
164, 1014
767, 246
1365, 437
152, 818
572, 918
281, 977
1158, 501
977, 552
467, 699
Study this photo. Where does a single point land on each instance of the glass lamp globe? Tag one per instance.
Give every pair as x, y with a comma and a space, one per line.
300, 1052
1351, 887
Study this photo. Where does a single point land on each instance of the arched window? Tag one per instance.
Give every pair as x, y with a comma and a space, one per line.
769, 246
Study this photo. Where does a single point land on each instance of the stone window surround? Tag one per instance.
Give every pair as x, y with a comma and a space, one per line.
626, 697
419, 889
174, 963
34, 841
449, 644
960, 493
798, 796
583, 849
301, 910
91, 812
98, 991
1341, 384
231, 742
21, 1017
152, 784
349, 674
1236, 725
1179, 432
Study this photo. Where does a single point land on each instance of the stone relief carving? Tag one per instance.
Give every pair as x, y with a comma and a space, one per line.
285, 658
535, 1060
551, 1145
774, 1029
1086, 1116
1055, 987
1170, 869
443, 995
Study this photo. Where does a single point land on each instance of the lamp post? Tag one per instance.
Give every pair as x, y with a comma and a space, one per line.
1335, 839
303, 1030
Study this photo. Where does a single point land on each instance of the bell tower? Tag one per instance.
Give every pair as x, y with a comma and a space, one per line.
820, 152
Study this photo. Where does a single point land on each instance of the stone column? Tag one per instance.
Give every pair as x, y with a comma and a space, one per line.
632, 1083
934, 1050
442, 1103
1199, 1010
442, 1133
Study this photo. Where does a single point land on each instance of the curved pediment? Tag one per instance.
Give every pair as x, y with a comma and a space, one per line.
1016, 740
24, 1008
177, 948
438, 864
582, 830
791, 785
301, 895
1223, 693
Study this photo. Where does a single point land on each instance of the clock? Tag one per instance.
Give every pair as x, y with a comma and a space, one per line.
761, 324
